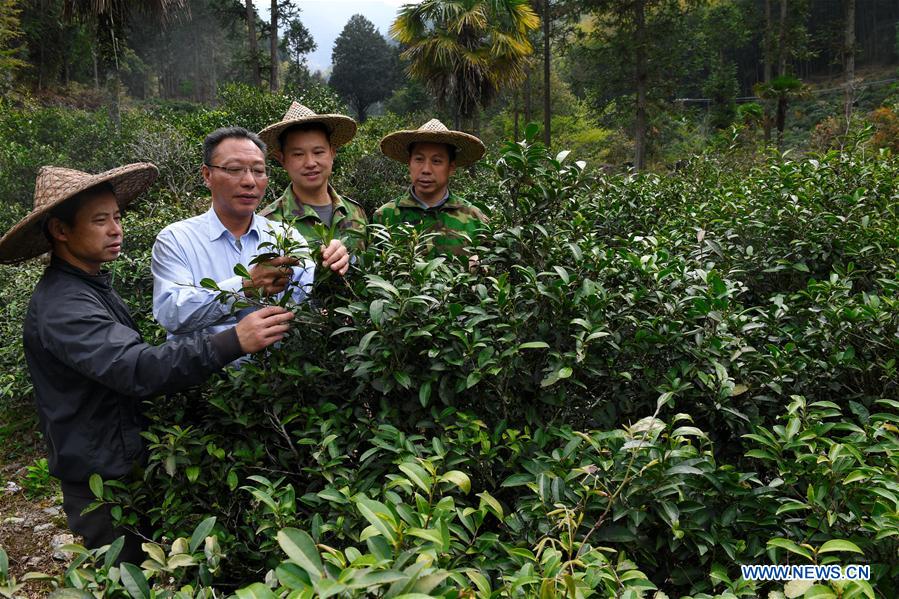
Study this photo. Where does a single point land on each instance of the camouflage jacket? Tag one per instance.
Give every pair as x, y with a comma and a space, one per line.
349, 218
453, 220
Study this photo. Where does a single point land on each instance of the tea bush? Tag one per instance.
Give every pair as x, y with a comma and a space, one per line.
647, 381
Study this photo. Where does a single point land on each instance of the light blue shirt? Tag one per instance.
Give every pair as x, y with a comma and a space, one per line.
201, 247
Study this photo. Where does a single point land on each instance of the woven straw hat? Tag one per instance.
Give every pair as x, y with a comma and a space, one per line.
341, 128
54, 186
469, 148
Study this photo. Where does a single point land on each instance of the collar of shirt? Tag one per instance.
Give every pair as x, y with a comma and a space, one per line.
216, 229
100, 280
292, 206
425, 206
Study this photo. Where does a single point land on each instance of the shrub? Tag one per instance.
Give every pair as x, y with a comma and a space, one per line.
886, 125
649, 381
37, 482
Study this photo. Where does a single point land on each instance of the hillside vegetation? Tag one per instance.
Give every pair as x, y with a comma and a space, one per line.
651, 379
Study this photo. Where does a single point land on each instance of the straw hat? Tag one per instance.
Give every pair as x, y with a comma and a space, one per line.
341, 128
469, 148
54, 186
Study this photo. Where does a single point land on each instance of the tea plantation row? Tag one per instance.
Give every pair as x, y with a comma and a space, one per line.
649, 381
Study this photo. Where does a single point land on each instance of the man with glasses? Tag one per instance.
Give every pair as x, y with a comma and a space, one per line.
229, 233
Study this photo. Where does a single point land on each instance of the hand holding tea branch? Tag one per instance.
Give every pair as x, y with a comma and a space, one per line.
271, 276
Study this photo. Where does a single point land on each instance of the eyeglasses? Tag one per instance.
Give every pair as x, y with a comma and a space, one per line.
237, 172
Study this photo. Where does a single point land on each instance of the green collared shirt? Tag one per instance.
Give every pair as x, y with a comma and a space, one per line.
454, 220
348, 218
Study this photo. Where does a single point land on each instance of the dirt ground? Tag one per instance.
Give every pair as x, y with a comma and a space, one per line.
27, 529
28, 526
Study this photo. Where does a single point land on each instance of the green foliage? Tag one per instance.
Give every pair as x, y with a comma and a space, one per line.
604, 67
466, 51
411, 100
37, 482
647, 381
721, 87
781, 90
297, 42
36, 136
575, 125
17, 285
9, 31
182, 572
8, 585
255, 109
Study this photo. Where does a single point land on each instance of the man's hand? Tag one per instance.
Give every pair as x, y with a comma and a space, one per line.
336, 257
272, 276
261, 328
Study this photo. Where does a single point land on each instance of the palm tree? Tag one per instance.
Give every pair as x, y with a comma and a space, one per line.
466, 51
782, 90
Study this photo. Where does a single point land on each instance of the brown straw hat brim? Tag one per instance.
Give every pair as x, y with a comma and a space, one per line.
55, 185
341, 130
469, 149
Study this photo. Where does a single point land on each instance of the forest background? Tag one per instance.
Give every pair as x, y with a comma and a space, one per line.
680, 357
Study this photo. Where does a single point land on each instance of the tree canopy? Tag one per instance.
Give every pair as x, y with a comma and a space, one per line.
364, 65
297, 42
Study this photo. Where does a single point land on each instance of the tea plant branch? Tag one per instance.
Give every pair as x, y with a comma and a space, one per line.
240, 300
627, 479
279, 427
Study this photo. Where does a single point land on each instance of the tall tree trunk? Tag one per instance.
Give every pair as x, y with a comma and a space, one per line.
113, 87
781, 119
40, 65
782, 48
769, 35
849, 60
515, 115
547, 108
254, 48
767, 117
213, 74
196, 91
114, 81
96, 68
641, 79
527, 97
273, 76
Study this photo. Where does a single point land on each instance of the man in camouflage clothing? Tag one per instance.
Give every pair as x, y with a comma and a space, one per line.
432, 153
305, 144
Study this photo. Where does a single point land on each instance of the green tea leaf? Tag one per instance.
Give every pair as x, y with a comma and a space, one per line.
417, 475
458, 478
839, 545
201, 532
95, 482
257, 590
134, 581
790, 546
300, 548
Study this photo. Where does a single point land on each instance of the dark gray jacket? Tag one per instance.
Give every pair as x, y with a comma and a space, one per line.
91, 369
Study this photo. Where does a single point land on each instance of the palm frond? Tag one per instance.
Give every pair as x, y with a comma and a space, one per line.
466, 51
